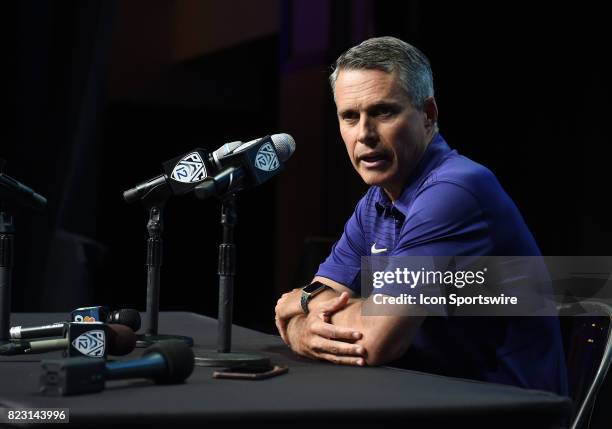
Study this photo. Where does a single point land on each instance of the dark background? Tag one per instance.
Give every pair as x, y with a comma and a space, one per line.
105, 91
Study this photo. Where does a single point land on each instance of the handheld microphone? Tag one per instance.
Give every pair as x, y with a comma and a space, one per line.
126, 316
91, 339
26, 332
166, 362
249, 165
182, 174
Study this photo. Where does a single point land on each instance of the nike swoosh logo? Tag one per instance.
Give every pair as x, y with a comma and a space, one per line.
374, 250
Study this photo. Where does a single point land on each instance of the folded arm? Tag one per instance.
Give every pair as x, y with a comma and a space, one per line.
336, 330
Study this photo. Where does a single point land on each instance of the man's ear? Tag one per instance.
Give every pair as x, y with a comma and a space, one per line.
430, 108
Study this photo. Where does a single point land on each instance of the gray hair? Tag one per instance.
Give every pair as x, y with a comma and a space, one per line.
390, 54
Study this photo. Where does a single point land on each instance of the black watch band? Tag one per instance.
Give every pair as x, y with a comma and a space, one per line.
304, 302
309, 292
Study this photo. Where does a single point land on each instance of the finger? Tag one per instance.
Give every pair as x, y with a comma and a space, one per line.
327, 330
342, 360
336, 304
281, 325
339, 348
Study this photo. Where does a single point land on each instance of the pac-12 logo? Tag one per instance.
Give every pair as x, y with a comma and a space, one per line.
190, 169
91, 343
266, 158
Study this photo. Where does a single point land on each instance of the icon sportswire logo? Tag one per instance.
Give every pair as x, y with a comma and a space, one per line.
190, 169
266, 158
375, 251
90, 343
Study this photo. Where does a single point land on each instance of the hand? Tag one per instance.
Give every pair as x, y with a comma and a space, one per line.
313, 336
287, 306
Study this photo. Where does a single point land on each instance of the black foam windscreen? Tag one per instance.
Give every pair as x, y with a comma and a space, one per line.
128, 317
121, 340
179, 360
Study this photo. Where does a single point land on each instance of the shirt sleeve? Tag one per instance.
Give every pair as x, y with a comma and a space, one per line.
343, 264
445, 219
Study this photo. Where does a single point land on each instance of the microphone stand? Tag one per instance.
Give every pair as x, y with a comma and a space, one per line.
7, 241
227, 271
10, 201
7, 237
155, 202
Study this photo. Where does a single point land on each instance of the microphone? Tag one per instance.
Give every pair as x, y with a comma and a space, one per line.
19, 194
249, 165
167, 362
127, 317
91, 339
25, 332
183, 173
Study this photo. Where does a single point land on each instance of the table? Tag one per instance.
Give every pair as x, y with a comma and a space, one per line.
310, 394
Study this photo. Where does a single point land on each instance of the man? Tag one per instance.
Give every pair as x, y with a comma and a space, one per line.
424, 200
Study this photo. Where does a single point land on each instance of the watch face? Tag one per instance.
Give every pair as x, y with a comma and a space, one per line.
313, 287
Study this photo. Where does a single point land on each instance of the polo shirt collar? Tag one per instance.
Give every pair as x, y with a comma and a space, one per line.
435, 152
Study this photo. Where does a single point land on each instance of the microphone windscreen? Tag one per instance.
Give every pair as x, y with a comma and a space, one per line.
127, 316
121, 340
179, 360
284, 145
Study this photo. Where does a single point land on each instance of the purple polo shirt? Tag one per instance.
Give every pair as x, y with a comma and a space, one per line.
452, 206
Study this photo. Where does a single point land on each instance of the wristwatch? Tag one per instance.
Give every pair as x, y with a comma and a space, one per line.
309, 292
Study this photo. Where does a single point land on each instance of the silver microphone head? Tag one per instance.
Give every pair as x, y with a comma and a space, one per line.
284, 145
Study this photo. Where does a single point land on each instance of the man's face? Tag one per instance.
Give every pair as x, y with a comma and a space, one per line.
384, 134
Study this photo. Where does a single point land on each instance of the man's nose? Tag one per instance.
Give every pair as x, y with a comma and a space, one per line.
367, 131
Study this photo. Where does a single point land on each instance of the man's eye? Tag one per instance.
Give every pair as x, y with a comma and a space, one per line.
350, 117
384, 111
